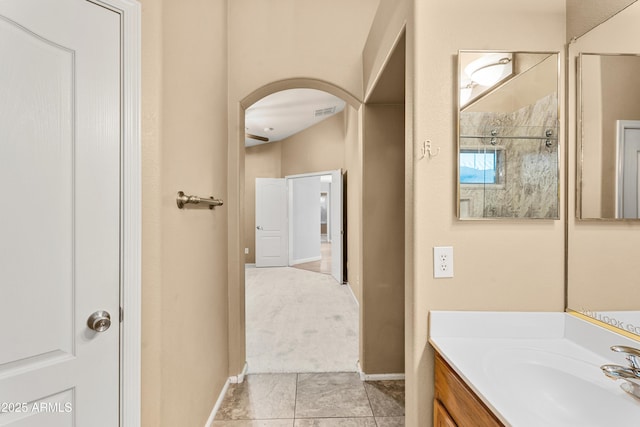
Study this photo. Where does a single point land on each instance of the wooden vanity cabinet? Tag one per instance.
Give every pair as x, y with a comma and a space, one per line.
455, 404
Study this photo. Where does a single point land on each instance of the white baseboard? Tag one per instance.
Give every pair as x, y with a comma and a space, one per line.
239, 379
304, 260
378, 377
352, 293
216, 407
235, 379
250, 266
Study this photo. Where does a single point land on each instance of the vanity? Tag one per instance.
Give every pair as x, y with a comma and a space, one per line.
527, 370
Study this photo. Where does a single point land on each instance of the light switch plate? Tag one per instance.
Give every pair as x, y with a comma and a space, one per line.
442, 261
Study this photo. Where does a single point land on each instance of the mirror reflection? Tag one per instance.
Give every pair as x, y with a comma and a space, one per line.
602, 255
610, 135
508, 135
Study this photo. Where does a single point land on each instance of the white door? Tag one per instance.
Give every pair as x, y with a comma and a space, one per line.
628, 165
59, 222
271, 222
337, 226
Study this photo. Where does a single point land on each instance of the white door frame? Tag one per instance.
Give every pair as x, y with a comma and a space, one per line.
130, 210
621, 143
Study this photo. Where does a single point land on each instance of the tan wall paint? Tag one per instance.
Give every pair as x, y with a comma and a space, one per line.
317, 149
270, 42
382, 313
588, 240
261, 161
185, 357
592, 130
353, 168
583, 15
499, 265
391, 16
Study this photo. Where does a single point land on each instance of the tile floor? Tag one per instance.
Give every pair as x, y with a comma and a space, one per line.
312, 400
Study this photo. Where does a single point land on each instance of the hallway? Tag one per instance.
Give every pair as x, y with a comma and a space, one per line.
299, 321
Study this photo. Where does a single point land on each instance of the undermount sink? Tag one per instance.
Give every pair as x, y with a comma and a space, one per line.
538, 382
537, 369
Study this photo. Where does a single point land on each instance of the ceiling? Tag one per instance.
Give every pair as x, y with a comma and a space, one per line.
285, 113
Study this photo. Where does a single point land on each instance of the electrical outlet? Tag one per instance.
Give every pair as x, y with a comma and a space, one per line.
442, 261
246, 251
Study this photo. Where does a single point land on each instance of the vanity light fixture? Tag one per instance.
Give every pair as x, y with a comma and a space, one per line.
465, 91
489, 69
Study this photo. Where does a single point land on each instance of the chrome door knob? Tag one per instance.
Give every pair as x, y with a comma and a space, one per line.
99, 321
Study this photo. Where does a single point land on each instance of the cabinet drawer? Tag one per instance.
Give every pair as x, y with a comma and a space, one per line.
461, 403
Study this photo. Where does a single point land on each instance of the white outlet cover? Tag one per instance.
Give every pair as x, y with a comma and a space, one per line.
442, 262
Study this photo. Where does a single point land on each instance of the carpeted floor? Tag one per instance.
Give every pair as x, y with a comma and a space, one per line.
299, 321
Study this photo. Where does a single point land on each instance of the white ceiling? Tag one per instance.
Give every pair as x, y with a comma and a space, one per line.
285, 113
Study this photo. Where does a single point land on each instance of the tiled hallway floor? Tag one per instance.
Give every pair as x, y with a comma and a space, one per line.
304, 400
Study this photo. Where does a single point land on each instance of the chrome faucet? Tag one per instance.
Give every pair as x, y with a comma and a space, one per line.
630, 374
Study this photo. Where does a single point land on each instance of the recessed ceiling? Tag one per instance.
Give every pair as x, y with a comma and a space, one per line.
285, 113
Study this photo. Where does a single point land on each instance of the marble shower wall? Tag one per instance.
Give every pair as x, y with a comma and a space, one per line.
528, 178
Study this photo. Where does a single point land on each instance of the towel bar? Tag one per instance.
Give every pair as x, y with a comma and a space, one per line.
183, 200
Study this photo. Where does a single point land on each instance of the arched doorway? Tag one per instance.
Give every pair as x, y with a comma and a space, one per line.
237, 211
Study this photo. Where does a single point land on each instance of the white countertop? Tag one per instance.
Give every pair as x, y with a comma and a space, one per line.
536, 369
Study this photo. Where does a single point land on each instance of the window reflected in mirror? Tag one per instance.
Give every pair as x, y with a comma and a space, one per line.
508, 135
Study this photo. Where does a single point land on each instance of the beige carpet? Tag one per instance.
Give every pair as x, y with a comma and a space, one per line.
299, 321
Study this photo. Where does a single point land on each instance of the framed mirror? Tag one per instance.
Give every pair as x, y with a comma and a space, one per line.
602, 243
508, 156
609, 136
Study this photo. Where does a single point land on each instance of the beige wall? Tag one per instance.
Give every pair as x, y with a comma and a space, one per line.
184, 127
499, 265
353, 178
583, 15
382, 314
317, 149
593, 284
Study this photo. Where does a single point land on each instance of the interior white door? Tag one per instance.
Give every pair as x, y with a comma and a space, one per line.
271, 222
337, 226
59, 225
629, 164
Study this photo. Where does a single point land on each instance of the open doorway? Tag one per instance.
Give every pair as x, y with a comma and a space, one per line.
301, 315
324, 264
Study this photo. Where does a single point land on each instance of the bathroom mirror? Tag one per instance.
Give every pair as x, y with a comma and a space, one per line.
508, 135
609, 135
602, 241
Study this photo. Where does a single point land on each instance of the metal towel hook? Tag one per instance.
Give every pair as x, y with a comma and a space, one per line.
427, 149
183, 200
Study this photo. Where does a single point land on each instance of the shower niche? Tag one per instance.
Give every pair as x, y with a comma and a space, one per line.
508, 156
